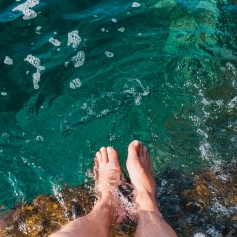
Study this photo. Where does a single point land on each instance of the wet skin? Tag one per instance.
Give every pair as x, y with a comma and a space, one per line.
106, 211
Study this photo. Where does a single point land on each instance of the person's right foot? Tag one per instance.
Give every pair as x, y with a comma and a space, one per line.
139, 168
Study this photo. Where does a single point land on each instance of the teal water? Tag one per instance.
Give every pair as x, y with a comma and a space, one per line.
163, 72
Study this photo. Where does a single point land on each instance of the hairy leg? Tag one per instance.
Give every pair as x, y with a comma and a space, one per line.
100, 220
150, 220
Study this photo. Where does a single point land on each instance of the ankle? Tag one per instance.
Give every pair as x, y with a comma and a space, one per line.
146, 201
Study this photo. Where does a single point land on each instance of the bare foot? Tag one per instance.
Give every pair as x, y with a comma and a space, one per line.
107, 178
139, 168
106, 170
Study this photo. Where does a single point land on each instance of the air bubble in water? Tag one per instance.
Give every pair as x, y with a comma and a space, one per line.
74, 39
114, 20
136, 4
79, 59
54, 42
3, 93
75, 83
109, 54
8, 61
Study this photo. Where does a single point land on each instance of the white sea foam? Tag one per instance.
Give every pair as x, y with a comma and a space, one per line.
66, 64
54, 42
122, 29
34, 61
8, 61
60, 199
232, 103
75, 83
36, 79
74, 39
37, 64
79, 59
29, 14
205, 149
136, 4
109, 54
37, 29
201, 132
25, 9
39, 139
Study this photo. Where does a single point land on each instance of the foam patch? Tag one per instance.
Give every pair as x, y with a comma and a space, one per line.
79, 59
122, 29
25, 9
136, 4
36, 79
109, 54
54, 42
8, 61
74, 39
75, 83
34, 61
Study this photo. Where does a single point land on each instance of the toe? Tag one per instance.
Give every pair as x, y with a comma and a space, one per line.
144, 153
99, 157
113, 157
140, 151
104, 154
95, 169
112, 154
133, 148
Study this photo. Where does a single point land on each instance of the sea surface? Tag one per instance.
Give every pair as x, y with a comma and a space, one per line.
78, 75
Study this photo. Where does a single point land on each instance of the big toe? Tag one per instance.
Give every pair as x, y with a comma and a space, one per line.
133, 149
113, 156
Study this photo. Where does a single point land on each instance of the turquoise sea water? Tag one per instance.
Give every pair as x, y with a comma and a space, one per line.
78, 75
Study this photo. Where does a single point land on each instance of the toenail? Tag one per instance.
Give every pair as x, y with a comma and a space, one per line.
136, 143
110, 149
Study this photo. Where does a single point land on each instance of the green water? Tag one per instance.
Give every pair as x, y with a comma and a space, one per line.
169, 81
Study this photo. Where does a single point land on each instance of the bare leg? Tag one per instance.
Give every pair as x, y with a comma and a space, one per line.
100, 220
150, 220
